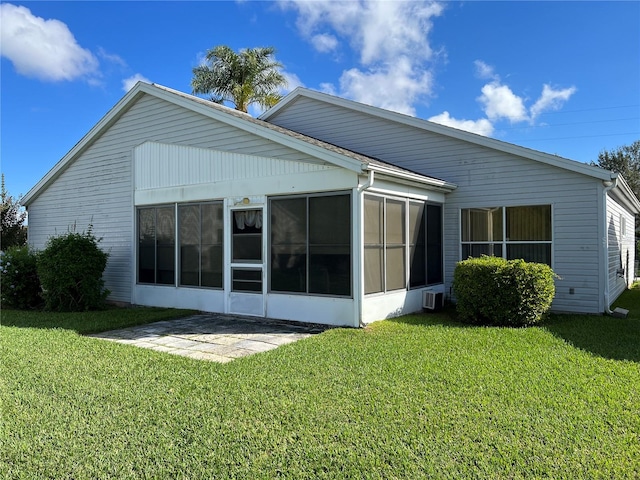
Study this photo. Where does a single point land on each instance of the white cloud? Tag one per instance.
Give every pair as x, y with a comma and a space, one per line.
377, 30
324, 42
43, 49
485, 71
390, 38
129, 83
394, 87
500, 102
329, 88
293, 81
481, 126
551, 99
111, 57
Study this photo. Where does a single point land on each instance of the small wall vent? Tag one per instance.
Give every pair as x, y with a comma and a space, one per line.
431, 300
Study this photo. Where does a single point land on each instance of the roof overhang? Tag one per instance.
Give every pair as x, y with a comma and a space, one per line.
432, 127
624, 195
203, 107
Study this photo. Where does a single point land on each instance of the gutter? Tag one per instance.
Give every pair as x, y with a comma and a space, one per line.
434, 183
608, 186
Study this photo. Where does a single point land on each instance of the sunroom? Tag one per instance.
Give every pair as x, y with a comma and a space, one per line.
300, 241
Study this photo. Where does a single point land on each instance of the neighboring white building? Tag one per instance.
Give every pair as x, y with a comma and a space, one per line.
324, 210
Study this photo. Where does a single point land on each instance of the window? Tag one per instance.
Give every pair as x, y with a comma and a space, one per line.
201, 231
246, 244
434, 244
395, 240
374, 271
509, 232
156, 245
623, 226
401, 238
417, 244
311, 244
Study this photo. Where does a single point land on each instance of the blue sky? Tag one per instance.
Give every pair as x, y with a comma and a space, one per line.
560, 77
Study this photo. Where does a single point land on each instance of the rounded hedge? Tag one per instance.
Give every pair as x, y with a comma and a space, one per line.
70, 269
20, 283
495, 291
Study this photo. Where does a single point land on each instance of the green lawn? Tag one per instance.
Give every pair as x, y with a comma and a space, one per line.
416, 397
90, 322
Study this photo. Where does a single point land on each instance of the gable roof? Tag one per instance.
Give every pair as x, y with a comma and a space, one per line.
554, 160
316, 148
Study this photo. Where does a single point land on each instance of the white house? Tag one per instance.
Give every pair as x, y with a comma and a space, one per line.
324, 210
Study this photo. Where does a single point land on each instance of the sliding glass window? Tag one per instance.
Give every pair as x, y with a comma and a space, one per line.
156, 245
510, 232
395, 240
201, 234
402, 239
435, 270
311, 244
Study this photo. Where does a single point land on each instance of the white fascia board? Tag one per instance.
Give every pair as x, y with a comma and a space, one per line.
626, 195
432, 127
414, 179
105, 122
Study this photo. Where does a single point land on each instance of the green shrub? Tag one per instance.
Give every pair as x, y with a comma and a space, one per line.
70, 269
494, 291
20, 283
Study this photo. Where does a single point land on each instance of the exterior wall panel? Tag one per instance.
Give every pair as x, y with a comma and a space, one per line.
97, 188
621, 248
485, 177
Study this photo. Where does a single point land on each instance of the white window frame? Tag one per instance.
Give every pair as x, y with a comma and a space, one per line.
505, 242
407, 244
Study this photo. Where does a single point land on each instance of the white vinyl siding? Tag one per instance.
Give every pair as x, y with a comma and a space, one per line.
97, 188
484, 177
621, 253
156, 166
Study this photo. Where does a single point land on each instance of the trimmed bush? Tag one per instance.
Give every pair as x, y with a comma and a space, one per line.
494, 291
70, 269
20, 283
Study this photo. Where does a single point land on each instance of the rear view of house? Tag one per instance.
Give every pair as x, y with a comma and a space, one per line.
324, 210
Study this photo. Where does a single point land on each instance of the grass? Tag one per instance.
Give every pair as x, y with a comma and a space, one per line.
90, 322
417, 397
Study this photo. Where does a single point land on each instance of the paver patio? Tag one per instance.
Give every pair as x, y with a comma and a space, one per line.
212, 336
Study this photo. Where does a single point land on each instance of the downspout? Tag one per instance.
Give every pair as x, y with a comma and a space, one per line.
368, 183
361, 189
608, 186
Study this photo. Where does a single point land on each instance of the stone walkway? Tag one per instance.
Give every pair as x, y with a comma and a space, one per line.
214, 337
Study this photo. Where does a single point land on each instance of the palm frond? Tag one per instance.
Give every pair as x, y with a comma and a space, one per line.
249, 76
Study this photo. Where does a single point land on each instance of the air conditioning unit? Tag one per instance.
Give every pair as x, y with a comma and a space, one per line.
431, 300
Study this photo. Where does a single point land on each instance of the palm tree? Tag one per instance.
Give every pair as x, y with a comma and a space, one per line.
250, 76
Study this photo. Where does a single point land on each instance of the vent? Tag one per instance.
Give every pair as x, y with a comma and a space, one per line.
431, 300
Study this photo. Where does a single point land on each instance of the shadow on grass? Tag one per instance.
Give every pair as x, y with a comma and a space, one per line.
89, 322
445, 317
607, 337
604, 336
